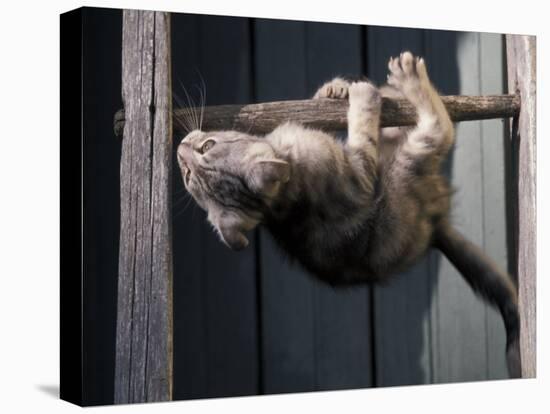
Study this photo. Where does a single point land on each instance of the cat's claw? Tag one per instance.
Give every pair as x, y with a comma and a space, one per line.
335, 89
407, 74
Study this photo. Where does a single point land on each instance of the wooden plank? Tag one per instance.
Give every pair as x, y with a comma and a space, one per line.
222, 352
521, 57
459, 337
491, 50
143, 369
402, 308
262, 118
341, 316
288, 330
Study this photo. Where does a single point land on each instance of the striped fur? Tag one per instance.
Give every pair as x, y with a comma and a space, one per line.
353, 211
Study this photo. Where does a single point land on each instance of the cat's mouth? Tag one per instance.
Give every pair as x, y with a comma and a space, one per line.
184, 167
186, 174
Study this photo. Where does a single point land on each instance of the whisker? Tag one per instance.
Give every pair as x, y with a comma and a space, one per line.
251, 125
192, 115
193, 212
189, 118
181, 190
185, 118
182, 118
201, 105
179, 213
184, 207
203, 95
191, 108
184, 121
183, 106
179, 201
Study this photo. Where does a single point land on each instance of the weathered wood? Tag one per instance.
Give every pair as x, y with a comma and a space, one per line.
521, 56
331, 114
143, 365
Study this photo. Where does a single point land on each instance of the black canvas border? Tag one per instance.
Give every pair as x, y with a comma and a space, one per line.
71, 204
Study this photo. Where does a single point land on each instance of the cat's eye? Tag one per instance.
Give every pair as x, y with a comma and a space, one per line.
207, 145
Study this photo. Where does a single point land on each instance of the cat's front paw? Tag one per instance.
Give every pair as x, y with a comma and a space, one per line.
365, 95
335, 89
408, 74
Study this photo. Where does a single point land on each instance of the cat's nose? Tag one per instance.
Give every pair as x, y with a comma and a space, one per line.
180, 151
185, 154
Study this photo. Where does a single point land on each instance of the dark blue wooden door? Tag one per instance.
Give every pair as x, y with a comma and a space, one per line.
251, 322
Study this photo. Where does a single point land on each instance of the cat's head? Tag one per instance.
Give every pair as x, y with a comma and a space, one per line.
234, 177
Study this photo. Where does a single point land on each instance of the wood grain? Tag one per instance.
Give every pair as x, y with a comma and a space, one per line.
143, 365
521, 54
331, 114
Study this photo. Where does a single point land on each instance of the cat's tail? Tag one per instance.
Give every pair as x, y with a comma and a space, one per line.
488, 281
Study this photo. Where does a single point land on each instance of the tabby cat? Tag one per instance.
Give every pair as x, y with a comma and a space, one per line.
354, 211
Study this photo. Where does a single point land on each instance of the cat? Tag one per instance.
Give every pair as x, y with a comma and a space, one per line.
354, 211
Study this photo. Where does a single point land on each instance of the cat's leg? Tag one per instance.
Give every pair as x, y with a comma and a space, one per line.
363, 115
433, 134
337, 88
364, 118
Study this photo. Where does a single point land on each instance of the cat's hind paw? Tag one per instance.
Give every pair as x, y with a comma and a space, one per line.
337, 88
408, 74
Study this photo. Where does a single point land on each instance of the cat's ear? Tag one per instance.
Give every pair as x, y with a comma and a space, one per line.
266, 176
230, 229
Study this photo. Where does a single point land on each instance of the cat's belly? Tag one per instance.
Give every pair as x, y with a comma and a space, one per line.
332, 255
334, 259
